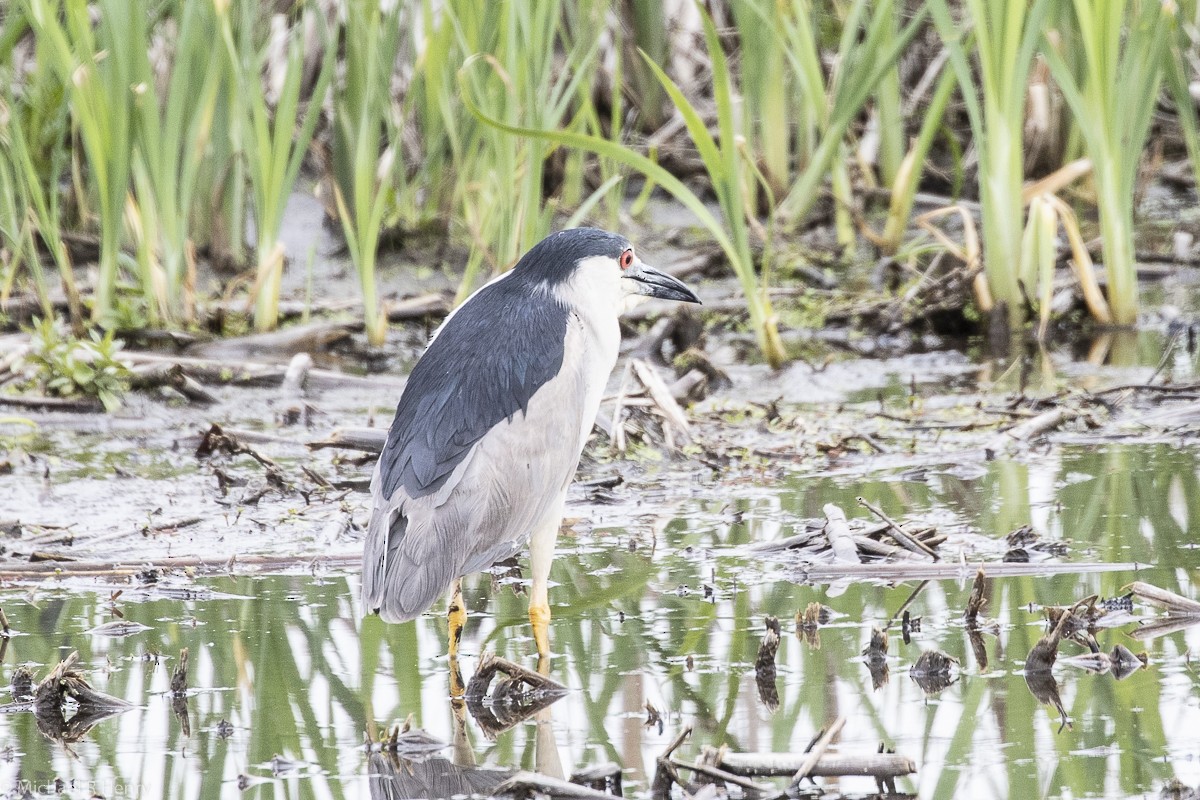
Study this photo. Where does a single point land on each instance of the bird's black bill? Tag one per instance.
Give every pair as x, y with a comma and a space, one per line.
653, 283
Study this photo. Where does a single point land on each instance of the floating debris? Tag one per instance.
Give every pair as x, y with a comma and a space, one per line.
22, 684
764, 665
876, 649
604, 777
1041, 658
978, 599
179, 677
975, 626
653, 718
1025, 545
1125, 662
118, 628
407, 741
179, 706
809, 621
907, 540
875, 657
850, 542
837, 532
526, 784
517, 698
65, 689
1045, 651
716, 765
933, 671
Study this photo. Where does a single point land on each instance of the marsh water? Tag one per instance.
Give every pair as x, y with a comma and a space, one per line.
287, 680
659, 601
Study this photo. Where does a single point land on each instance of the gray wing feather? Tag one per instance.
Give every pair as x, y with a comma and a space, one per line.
508, 483
484, 365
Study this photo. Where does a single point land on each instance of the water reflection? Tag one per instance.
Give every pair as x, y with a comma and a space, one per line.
283, 671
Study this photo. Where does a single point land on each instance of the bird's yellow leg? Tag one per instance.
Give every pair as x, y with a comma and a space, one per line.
541, 556
457, 617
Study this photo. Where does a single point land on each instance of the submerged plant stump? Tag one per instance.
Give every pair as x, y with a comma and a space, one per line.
521, 694
66, 682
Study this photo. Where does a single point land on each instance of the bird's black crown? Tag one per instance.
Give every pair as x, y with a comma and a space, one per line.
553, 259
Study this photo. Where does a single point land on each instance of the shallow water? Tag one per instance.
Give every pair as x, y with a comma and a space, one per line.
668, 611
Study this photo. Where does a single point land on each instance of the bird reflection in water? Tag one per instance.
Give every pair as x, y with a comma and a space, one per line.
499, 696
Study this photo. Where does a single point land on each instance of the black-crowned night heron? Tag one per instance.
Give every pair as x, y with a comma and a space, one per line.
492, 421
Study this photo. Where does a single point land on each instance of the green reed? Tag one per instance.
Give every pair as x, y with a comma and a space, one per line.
991, 49
365, 143
97, 64
174, 125
1112, 92
276, 132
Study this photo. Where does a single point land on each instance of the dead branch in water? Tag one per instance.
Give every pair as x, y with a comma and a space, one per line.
945, 570
878, 765
1035, 426
1174, 604
897, 532
837, 531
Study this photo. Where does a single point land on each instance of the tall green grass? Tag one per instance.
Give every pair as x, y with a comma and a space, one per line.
868, 47
527, 71
174, 124
725, 168
99, 66
365, 143
174, 131
274, 133
34, 130
992, 46
1112, 92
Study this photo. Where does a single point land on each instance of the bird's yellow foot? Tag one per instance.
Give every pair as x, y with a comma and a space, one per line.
539, 618
457, 617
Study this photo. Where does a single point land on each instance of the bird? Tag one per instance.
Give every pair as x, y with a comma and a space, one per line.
491, 424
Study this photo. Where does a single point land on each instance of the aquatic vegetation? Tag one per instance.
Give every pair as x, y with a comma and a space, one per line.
65, 366
997, 43
172, 134
365, 143
1112, 89
276, 128
174, 123
98, 66
33, 150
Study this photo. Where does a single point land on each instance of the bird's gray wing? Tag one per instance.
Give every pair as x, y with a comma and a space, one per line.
441, 499
484, 365
510, 482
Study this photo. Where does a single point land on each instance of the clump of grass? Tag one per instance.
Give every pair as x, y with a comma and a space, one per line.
34, 131
1112, 93
365, 143
274, 134
65, 366
174, 124
724, 165
531, 70
869, 45
97, 63
999, 39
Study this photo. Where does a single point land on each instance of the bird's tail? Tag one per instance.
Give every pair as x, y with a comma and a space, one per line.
401, 579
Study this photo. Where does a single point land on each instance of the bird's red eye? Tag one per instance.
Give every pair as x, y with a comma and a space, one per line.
627, 259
